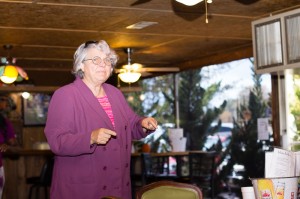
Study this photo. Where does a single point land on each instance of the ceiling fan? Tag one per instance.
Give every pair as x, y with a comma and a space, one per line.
130, 73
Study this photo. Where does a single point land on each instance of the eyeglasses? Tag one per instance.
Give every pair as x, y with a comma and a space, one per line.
97, 60
87, 43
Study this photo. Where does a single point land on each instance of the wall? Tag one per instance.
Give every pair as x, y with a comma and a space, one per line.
22, 164
28, 136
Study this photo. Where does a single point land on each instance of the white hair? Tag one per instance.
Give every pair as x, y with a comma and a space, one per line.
81, 53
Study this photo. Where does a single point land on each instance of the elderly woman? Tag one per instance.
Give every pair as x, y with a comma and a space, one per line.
90, 127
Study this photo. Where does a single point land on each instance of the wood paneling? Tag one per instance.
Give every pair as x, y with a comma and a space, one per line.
19, 166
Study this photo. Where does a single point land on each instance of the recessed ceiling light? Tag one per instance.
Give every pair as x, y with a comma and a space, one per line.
141, 25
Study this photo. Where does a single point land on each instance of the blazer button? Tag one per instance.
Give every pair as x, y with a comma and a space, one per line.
104, 187
104, 168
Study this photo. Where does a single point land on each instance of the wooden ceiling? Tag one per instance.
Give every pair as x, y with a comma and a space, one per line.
45, 33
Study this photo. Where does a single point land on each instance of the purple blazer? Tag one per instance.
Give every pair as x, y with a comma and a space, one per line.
89, 171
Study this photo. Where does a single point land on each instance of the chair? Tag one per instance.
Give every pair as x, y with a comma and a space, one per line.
155, 168
136, 173
202, 171
146, 169
169, 190
42, 181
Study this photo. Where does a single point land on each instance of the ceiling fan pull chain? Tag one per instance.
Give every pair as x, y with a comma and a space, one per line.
129, 59
206, 19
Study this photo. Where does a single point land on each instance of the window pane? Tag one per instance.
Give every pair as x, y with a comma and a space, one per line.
268, 44
293, 38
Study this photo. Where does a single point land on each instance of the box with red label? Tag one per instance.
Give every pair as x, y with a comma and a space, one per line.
275, 188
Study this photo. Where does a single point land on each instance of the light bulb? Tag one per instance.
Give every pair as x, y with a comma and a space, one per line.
25, 95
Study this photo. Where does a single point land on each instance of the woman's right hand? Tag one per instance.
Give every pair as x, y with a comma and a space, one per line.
101, 136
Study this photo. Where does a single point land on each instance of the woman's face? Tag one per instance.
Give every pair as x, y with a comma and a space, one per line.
96, 67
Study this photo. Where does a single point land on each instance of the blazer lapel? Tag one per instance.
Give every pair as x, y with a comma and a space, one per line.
92, 101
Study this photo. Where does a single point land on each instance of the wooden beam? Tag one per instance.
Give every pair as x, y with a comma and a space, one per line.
32, 89
275, 110
230, 55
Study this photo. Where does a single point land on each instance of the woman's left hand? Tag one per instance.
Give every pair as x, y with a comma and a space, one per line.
149, 123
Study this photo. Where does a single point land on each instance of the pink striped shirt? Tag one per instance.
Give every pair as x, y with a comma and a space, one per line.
104, 102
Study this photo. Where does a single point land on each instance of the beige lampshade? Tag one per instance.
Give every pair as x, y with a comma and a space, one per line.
129, 77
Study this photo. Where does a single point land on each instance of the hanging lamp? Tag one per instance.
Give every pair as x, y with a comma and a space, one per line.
9, 72
194, 2
189, 2
129, 74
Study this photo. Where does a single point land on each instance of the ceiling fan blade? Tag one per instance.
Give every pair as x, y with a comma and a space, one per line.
118, 70
123, 70
146, 74
144, 70
164, 69
138, 2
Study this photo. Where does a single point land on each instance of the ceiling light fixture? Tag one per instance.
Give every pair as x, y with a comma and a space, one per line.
189, 2
129, 74
194, 2
10, 73
129, 77
25, 95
